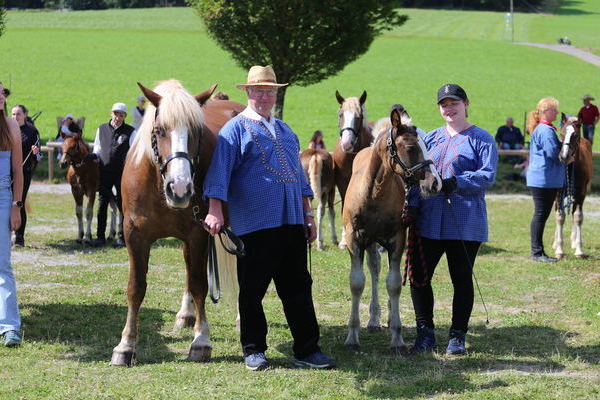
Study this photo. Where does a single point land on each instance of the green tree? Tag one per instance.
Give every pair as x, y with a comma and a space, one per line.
305, 41
2, 17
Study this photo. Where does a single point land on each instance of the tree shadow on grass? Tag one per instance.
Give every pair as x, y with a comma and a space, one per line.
71, 245
381, 374
487, 249
90, 331
569, 7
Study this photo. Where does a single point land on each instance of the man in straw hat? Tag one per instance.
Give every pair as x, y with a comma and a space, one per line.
256, 169
588, 116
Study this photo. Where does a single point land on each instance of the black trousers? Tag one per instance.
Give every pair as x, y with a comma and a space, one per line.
459, 265
20, 233
277, 254
543, 199
108, 180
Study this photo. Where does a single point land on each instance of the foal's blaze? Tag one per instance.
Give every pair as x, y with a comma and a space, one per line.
73, 150
175, 120
351, 120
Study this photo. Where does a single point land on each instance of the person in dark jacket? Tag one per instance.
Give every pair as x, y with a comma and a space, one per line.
30, 142
111, 145
68, 127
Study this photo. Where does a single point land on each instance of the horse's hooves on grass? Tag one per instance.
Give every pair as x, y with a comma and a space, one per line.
342, 245
580, 256
184, 322
353, 347
122, 359
559, 256
374, 329
200, 353
399, 350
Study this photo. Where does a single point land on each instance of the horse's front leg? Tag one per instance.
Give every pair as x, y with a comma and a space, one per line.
394, 287
330, 206
374, 263
139, 252
89, 215
357, 285
186, 316
320, 212
195, 253
558, 233
79, 214
576, 234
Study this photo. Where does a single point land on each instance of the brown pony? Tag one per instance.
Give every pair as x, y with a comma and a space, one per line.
161, 188
318, 167
355, 135
373, 214
83, 176
578, 151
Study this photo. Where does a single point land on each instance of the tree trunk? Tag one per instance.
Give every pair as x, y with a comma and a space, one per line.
279, 104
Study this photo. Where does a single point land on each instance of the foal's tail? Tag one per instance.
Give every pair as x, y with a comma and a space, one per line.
315, 168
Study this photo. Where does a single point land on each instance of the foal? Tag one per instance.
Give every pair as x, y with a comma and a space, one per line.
373, 214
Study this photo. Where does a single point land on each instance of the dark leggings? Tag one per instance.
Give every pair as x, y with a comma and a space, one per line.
543, 199
20, 233
459, 265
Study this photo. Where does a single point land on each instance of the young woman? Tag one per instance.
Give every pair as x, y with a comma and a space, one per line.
10, 219
545, 174
455, 221
316, 142
30, 143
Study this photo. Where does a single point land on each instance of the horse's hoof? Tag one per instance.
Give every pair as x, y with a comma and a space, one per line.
374, 329
352, 347
320, 247
184, 322
122, 359
342, 245
559, 256
200, 353
399, 350
581, 256
79, 241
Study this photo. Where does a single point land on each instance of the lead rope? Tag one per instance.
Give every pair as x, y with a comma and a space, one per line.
414, 245
567, 193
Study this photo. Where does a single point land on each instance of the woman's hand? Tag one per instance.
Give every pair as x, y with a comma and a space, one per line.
15, 218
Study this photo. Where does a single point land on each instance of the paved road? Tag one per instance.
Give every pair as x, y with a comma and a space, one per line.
581, 54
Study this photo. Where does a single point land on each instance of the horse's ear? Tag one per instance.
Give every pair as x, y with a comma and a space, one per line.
339, 97
204, 96
152, 96
563, 117
395, 118
363, 97
76, 135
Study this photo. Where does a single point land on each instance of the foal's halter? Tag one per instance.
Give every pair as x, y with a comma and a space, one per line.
178, 154
72, 162
393, 153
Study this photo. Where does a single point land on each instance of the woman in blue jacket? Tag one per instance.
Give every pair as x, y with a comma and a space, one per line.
546, 174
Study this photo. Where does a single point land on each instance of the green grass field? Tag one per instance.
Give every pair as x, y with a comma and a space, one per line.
82, 62
542, 341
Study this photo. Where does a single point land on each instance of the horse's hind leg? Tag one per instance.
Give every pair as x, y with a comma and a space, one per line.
89, 216
357, 285
330, 206
79, 213
186, 317
320, 212
576, 236
139, 252
394, 287
201, 348
374, 262
558, 234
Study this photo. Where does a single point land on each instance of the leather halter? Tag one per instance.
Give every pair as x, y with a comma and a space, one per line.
393, 152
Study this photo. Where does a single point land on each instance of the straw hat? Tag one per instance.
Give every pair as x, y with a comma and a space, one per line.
587, 97
261, 76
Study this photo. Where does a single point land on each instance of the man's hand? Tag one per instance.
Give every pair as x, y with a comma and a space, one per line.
449, 185
310, 228
214, 219
35, 150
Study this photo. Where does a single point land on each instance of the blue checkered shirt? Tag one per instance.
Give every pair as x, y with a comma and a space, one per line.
259, 176
471, 156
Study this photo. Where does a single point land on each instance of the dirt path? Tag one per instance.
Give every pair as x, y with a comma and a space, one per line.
581, 54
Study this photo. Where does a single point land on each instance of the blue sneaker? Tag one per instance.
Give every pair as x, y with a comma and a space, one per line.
456, 345
316, 360
12, 339
256, 361
425, 340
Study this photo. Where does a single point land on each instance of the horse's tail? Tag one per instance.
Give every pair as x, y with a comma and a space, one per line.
315, 168
227, 274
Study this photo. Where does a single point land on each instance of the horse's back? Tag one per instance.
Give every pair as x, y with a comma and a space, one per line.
218, 112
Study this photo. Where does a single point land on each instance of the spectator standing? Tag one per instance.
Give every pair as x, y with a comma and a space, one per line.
545, 174
30, 143
11, 175
316, 142
137, 112
112, 142
588, 115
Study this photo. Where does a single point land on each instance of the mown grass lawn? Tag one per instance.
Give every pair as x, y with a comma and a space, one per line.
542, 342
83, 62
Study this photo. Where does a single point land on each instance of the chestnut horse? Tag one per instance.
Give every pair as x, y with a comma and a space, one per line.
373, 214
161, 188
355, 135
578, 151
83, 176
318, 167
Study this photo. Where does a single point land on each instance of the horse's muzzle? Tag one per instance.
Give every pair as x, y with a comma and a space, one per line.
178, 193
64, 164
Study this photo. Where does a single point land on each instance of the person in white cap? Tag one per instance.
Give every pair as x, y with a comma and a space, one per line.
588, 116
256, 169
111, 145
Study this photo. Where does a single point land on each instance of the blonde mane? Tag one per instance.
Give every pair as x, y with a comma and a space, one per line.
384, 124
178, 109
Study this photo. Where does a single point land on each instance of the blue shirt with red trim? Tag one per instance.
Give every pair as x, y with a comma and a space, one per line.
545, 170
470, 156
259, 175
